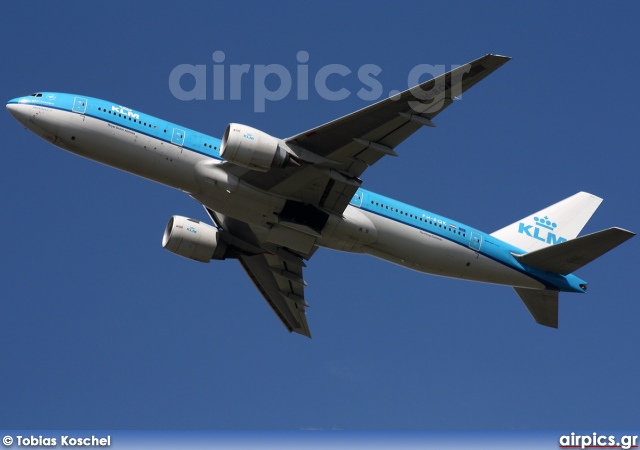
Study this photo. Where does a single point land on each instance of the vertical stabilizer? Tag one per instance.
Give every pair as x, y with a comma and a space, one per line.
557, 223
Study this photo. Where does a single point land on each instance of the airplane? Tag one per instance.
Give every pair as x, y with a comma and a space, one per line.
273, 202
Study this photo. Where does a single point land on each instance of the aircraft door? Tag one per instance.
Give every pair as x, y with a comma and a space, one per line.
79, 105
178, 137
356, 200
475, 241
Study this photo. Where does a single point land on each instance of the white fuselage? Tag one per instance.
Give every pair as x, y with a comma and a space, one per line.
360, 229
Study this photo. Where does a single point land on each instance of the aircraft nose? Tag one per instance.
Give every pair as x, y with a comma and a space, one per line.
16, 110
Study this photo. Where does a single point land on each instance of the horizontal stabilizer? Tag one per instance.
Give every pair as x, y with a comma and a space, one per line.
543, 305
569, 256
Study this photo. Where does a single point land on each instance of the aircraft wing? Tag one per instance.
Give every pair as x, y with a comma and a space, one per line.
282, 286
275, 271
335, 154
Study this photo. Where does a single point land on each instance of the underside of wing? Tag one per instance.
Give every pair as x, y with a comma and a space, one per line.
282, 286
276, 271
361, 138
333, 156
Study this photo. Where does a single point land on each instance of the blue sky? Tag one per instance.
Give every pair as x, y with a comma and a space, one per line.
102, 328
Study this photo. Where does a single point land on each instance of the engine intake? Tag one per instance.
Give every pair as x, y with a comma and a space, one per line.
253, 149
193, 239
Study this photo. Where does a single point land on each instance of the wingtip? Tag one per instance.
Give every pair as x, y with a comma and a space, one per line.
500, 56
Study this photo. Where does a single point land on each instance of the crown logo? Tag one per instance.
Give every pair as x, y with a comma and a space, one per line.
545, 223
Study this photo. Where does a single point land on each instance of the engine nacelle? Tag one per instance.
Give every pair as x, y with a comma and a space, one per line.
253, 149
193, 239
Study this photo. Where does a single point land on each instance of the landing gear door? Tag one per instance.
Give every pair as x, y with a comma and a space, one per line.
475, 241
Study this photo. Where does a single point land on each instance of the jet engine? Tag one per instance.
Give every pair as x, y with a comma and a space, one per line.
193, 239
253, 149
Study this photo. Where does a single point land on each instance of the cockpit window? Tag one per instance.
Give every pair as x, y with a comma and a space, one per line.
35, 95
